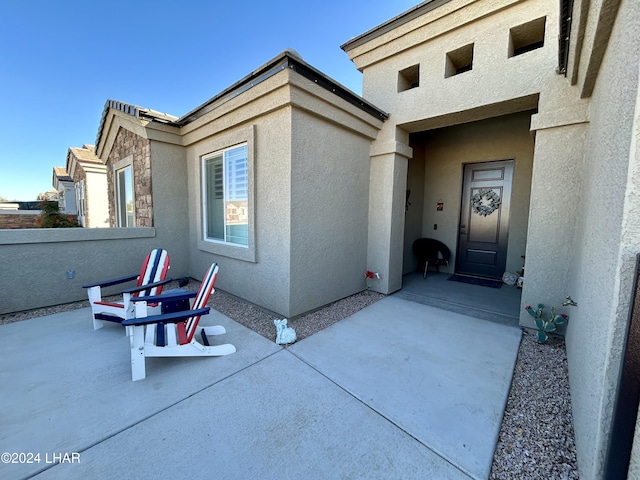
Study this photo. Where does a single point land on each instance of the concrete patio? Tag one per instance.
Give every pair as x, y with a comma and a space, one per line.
401, 389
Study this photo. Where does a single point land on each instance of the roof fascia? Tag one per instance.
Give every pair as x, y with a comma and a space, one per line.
72, 162
133, 111
287, 59
393, 23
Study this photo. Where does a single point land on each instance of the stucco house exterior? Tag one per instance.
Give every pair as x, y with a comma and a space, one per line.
297, 247
554, 90
526, 107
89, 177
63, 184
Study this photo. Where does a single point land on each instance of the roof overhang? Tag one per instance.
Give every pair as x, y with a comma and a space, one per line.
134, 111
287, 59
84, 158
394, 23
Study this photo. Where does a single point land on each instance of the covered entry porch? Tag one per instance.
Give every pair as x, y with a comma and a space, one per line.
499, 305
490, 160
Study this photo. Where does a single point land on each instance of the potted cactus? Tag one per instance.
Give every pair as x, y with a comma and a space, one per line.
545, 322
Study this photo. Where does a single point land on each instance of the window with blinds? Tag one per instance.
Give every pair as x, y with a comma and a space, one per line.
225, 196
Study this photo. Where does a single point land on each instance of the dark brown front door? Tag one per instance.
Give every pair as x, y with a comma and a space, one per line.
484, 219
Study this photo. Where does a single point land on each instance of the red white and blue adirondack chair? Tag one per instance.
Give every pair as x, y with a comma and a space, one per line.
174, 334
150, 282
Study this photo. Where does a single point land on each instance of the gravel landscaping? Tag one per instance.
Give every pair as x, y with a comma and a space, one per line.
536, 438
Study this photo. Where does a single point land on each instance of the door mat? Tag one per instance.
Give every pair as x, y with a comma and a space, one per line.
484, 282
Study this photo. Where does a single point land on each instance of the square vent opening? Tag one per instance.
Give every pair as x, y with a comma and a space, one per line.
459, 61
526, 37
409, 78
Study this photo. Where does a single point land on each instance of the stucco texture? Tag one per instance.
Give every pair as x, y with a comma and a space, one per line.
36, 262
308, 246
494, 79
329, 209
608, 240
264, 281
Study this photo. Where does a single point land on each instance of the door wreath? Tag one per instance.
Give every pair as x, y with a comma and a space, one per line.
485, 202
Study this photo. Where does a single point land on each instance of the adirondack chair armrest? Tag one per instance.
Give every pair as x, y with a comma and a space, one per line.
148, 285
174, 317
167, 296
115, 281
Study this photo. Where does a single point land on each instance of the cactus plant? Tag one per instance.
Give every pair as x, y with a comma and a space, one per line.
545, 322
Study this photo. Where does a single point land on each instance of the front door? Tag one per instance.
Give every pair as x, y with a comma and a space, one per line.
484, 219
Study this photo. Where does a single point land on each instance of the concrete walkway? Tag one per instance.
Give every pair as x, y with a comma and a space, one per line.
398, 390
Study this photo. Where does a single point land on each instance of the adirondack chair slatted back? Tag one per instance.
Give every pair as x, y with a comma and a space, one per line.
154, 268
187, 329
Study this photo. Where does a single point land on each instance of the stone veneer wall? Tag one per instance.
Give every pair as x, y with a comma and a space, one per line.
128, 143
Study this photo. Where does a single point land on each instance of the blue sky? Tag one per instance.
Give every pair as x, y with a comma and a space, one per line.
60, 61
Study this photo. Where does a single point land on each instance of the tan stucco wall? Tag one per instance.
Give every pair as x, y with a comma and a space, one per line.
160, 180
329, 209
608, 239
555, 195
495, 78
290, 119
443, 152
413, 219
93, 254
387, 200
264, 281
496, 86
583, 220
170, 205
96, 254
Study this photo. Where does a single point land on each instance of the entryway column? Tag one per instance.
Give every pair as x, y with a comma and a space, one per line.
556, 190
387, 195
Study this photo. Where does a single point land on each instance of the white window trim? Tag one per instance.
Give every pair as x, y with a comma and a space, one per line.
117, 166
216, 144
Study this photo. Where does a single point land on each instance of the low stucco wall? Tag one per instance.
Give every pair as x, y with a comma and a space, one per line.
35, 262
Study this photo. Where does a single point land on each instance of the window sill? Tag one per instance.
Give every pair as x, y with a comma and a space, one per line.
246, 254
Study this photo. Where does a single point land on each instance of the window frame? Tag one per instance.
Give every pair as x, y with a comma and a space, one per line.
81, 201
206, 149
221, 156
123, 165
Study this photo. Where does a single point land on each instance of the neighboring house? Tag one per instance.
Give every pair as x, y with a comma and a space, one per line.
20, 215
50, 196
63, 184
89, 176
512, 126
126, 153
